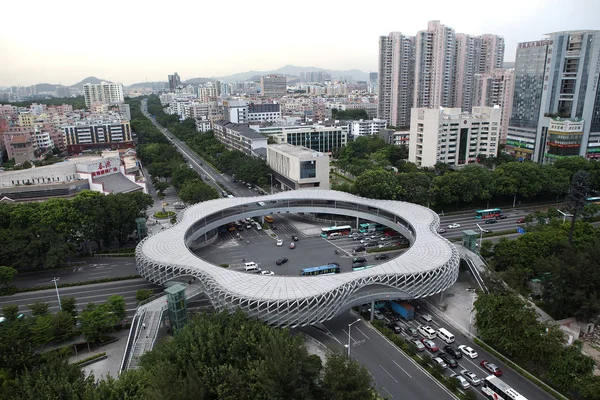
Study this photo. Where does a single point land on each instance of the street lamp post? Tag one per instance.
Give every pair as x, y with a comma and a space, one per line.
480, 237
271, 175
55, 280
350, 326
565, 215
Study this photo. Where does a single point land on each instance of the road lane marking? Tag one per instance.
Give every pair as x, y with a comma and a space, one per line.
364, 334
394, 361
391, 376
391, 396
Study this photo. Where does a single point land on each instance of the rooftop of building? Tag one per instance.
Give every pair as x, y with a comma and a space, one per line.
242, 129
116, 183
297, 151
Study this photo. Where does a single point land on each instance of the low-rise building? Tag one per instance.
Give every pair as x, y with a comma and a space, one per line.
107, 173
366, 127
239, 137
322, 138
450, 136
397, 138
297, 167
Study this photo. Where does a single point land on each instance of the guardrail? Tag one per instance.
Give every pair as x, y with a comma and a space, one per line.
131, 338
476, 275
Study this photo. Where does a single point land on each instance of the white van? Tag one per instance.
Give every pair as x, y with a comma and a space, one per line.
250, 266
426, 331
334, 236
445, 335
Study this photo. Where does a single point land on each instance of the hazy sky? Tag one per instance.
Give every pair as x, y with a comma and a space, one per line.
127, 41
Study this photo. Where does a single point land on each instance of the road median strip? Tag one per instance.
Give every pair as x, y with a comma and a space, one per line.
13, 290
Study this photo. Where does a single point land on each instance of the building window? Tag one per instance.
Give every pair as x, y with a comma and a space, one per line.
308, 169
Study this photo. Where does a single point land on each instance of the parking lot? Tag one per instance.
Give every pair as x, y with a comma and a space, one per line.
236, 247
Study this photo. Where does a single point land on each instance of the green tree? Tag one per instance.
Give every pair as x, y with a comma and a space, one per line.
565, 370
143, 294
10, 312
39, 308
7, 274
195, 192
97, 321
116, 304
63, 326
345, 379
377, 184
42, 329
230, 356
54, 378
69, 305
580, 187
519, 178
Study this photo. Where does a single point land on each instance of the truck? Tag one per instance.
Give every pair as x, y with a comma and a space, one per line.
404, 309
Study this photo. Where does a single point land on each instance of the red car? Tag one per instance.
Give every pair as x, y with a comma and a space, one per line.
493, 368
520, 221
429, 345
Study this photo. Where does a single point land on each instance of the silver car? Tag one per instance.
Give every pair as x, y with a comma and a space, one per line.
471, 377
464, 384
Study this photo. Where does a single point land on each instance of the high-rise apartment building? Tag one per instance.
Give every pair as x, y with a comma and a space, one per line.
555, 77
435, 68
496, 89
107, 93
451, 136
396, 69
273, 85
174, 81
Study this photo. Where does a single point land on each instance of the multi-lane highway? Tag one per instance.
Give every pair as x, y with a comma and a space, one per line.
208, 173
396, 375
81, 270
96, 293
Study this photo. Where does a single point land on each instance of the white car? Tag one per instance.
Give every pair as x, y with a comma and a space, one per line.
468, 351
279, 242
455, 225
267, 273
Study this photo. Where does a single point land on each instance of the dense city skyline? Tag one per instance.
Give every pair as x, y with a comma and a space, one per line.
148, 43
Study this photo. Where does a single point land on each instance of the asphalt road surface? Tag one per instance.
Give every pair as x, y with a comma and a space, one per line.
96, 293
395, 375
81, 270
208, 173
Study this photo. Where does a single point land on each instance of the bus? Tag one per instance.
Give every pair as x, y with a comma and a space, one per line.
331, 268
372, 227
593, 200
489, 213
494, 388
361, 267
340, 230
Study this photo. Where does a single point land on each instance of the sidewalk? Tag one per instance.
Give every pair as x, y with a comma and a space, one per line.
110, 365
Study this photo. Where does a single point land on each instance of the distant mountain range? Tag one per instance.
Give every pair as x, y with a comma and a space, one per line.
50, 87
291, 71
295, 71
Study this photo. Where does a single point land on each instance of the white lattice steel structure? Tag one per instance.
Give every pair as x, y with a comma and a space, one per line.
428, 267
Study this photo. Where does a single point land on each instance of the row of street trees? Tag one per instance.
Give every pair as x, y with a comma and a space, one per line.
164, 163
245, 168
497, 181
47, 234
221, 356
